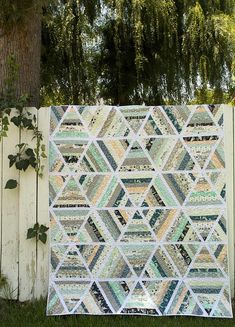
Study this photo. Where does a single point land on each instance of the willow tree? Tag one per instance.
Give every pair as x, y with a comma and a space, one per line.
70, 52
20, 37
130, 51
161, 51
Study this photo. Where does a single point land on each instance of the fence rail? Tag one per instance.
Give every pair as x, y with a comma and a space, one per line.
25, 262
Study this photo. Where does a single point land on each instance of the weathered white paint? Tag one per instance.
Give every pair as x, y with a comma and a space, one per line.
23, 261
27, 218
42, 211
26, 262
10, 214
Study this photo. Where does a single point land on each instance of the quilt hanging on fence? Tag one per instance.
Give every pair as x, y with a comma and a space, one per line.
138, 211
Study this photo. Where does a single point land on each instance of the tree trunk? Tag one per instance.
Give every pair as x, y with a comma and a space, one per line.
23, 41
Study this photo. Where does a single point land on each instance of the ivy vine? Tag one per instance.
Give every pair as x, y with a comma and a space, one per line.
25, 156
39, 232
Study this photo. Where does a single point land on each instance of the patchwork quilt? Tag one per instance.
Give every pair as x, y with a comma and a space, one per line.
138, 211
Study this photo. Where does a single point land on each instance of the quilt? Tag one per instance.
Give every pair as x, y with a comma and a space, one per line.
137, 207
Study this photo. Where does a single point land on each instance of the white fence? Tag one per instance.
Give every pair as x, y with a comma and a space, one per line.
25, 262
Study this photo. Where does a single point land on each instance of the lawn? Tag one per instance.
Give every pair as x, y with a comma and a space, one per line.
33, 314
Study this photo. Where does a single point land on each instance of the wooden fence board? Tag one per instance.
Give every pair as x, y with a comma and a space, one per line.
27, 218
10, 215
42, 210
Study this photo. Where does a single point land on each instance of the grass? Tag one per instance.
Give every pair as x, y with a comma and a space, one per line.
33, 314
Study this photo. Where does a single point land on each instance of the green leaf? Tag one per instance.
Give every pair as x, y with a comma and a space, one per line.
5, 120
31, 233
43, 147
27, 123
21, 145
36, 226
43, 229
11, 184
43, 238
11, 157
12, 160
33, 164
16, 120
30, 152
22, 164
8, 111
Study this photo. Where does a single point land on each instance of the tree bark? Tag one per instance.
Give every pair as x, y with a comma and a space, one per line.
23, 41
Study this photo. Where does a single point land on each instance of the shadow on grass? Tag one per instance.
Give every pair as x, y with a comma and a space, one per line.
29, 314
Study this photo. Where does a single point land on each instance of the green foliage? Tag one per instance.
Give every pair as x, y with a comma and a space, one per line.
4, 126
216, 96
69, 59
6, 290
3, 281
38, 232
11, 184
130, 51
23, 119
24, 158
